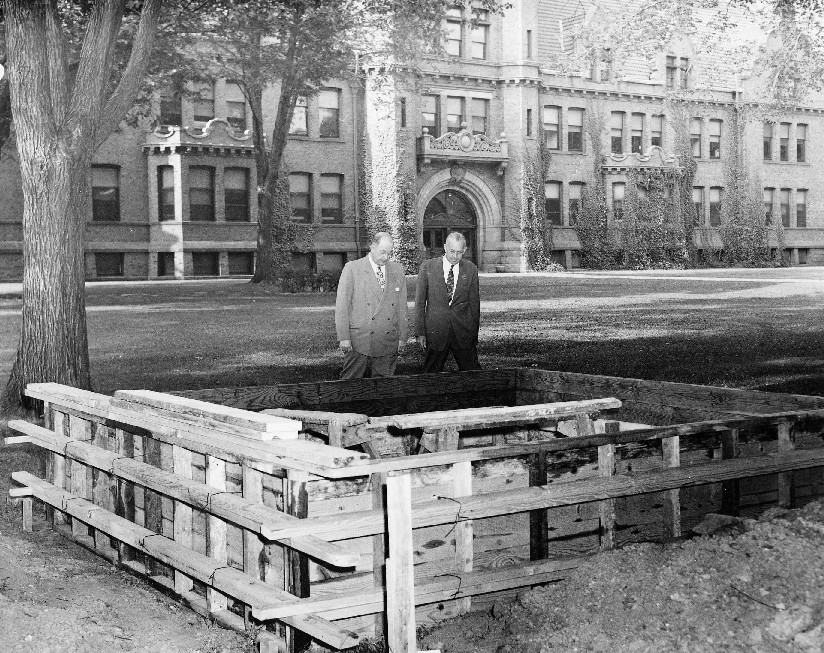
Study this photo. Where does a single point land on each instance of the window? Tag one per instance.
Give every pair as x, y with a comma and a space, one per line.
768, 137
575, 199
403, 112
106, 193
206, 264
552, 127
605, 64
800, 208
695, 137
329, 111
204, 104
331, 198
454, 113
236, 194
235, 106
803, 253
801, 143
637, 133
480, 111
698, 204
684, 72
202, 193
165, 193
300, 196
480, 34
715, 139
769, 197
170, 113
616, 125
785, 207
108, 264
552, 202
716, 197
241, 263
657, 131
529, 44
299, 125
672, 72
431, 114
618, 193
332, 261
784, 142
453, 28
529, 122
165, 264
303, 261
575, 130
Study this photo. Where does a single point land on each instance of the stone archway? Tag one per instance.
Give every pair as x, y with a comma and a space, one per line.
476, 193
450, 210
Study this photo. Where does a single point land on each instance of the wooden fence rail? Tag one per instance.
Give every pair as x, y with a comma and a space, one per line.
215, 504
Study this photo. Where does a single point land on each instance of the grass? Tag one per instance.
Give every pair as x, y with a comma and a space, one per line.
743, 328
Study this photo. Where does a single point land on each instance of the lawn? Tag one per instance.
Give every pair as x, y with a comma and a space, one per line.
741, 328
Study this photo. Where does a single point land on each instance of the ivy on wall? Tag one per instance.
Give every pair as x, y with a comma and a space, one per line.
536, 233
288, 236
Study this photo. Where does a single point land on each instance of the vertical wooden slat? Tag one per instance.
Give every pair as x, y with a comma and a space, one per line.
296, 571
464, 530
58, 470
48, 422
253, 560
335, 433
606, 468
730, 490
786, 480
378, 483
79, 429
400, 582
138, 444
124, 501
182, 466
216, 543
102, 483
538, 522
671, 454
28, 519
167, 505
153, 511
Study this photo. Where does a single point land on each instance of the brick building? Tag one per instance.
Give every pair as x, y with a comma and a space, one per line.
179, 201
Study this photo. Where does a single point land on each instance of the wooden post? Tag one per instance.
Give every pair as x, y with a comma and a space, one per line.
786, 480
606, 468
378, 482
80, 429
296, 570
216, 543
102, 484
124, 501
335, 433
138, 491
538, 522
252, 544
464, 531
28, 521
671, 454
400, 579
182, 466
56, 470
730, 490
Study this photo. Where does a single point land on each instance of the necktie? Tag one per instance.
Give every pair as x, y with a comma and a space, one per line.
450, 282
381, 277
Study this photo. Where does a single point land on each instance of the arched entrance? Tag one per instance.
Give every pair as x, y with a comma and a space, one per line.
448, 211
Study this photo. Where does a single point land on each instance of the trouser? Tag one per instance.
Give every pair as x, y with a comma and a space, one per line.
355, 365
465, 357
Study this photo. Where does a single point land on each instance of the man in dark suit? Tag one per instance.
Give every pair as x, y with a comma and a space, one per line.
370, 311
448, 308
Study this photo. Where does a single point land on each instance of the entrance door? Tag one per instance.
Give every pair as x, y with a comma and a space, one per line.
449, 211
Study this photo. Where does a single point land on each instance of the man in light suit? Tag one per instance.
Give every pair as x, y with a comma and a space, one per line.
370, 311
448, 308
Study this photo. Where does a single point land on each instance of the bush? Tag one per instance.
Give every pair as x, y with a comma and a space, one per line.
308, 281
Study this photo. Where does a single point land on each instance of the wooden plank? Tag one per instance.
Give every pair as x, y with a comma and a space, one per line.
216, 546
476, 418
606, 469
786, 482
464, 531
27, 517
379, 551
400, 581
211, 413
80, 429
182, 463
428, 513
253, 561
241, 512
200, 567
730, 489
538, 519
317, 419
57, 473
671, 454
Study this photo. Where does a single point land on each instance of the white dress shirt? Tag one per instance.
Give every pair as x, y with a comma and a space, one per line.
446, 266
375, 267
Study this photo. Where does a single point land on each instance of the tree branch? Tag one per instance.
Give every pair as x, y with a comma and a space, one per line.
58, 64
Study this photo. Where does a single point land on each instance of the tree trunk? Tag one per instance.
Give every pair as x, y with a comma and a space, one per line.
5, 107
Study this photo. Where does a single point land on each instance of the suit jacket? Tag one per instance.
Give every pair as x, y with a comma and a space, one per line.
373, 320
433, 312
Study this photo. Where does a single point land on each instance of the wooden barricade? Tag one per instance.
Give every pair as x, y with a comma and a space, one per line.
267, 517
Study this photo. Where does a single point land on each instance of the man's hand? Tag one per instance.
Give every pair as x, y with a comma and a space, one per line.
422, 341
345, 346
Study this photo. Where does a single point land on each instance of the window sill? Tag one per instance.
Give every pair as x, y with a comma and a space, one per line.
788, 163
316, 139
566, 152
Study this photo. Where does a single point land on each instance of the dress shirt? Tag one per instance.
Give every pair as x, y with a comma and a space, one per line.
446, 266
375, 267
